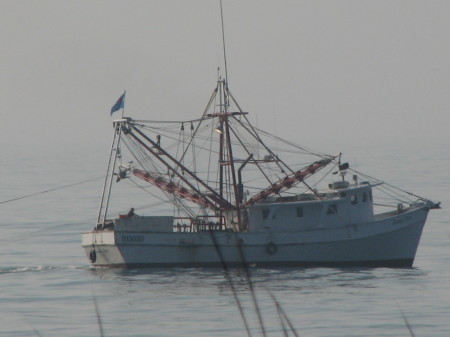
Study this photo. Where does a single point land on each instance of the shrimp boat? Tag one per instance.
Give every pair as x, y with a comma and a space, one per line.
240, 194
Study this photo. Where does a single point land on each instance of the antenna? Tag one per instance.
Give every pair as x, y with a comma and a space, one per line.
223, 43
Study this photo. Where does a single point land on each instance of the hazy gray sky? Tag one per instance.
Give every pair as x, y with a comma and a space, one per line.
331, 71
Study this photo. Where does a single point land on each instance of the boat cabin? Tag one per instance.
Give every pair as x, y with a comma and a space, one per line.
341, 204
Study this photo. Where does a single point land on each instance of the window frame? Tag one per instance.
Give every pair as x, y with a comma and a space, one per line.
332, 209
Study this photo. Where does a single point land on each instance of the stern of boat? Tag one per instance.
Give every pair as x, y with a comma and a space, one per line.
101, 249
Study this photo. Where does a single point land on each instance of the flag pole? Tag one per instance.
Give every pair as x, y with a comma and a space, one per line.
123, 105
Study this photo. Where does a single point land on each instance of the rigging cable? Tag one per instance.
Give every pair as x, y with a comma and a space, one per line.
54, 228
386, 188
194, 163
50, 190
163, 201
20, 237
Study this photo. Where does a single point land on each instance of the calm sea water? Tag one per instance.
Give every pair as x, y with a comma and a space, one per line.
47, 287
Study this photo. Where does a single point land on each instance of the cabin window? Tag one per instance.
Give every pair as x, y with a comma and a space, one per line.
343, 194
354, 199
299, 212
364, 197
265, 213
332, 209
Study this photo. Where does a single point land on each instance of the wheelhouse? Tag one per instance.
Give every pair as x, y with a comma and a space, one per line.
342, 204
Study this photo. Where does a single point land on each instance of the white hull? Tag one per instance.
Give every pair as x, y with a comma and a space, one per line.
390, 242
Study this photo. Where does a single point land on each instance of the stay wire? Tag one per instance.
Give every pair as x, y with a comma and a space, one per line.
50, 190
50, 229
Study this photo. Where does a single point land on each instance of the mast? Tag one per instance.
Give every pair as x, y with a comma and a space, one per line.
107, 186
224, 104
230, 155
221, 142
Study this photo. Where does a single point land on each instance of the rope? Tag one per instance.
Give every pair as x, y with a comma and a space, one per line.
25, 236
50, 190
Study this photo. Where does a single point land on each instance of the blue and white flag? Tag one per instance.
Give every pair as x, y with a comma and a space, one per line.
119, 104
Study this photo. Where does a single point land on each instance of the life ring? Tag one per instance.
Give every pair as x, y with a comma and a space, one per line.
271, 248
93, 256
